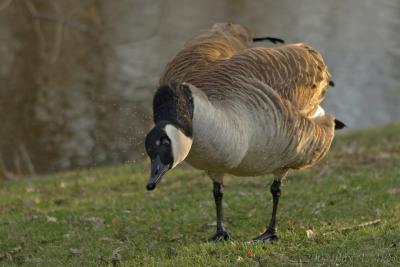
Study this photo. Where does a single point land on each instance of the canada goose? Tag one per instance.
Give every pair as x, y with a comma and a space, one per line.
225, 107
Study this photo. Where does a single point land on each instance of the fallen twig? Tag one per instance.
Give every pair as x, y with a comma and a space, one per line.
358, 226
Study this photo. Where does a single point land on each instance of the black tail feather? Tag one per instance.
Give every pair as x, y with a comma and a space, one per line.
339, 125
271, 39
331, 83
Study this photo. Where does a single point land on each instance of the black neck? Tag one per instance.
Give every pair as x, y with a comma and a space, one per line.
174, 104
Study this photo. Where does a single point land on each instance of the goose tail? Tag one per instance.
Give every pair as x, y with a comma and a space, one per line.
339, 125
271, 39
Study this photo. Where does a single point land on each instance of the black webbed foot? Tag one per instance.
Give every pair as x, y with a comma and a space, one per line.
268, 236
220, 236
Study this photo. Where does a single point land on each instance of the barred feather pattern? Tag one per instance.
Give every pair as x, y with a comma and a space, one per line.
255, 133
221, 42
260, 102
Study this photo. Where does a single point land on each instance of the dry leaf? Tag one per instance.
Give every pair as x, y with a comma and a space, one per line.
310, 233
30, 189
249, 254
51, 219
76, 251
92, 219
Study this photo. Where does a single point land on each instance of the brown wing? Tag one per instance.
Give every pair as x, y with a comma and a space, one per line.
297, 72
221, 42
212, 58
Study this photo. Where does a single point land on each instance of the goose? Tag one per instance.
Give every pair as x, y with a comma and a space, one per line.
228, 108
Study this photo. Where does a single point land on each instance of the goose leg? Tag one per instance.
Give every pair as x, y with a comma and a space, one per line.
221, 233
270, 235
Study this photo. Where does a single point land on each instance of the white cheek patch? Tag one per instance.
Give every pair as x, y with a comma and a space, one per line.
180, 144
318, 113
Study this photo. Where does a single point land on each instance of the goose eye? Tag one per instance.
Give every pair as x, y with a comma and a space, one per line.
165, 142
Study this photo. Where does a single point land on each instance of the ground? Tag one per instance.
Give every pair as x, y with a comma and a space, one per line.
104, 216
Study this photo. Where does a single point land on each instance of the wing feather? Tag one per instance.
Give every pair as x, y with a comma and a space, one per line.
212, 58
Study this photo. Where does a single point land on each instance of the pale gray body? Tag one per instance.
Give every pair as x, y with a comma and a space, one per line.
233, 138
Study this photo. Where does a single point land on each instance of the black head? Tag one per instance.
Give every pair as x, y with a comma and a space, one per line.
159, 148
169, 142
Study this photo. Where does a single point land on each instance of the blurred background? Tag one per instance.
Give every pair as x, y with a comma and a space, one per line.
77, 76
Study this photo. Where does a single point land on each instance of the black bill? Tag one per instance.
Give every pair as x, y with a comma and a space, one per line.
158, 169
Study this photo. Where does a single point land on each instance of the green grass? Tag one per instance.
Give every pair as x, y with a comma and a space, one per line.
82, 218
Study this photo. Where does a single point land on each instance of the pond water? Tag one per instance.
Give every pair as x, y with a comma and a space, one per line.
90, 102
359, 39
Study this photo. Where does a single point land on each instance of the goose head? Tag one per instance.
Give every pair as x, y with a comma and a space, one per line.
168, 143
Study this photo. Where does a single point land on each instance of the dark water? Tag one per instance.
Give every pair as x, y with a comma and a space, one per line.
79, 94
360, 41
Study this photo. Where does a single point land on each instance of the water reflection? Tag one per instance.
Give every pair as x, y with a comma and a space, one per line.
92, 104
